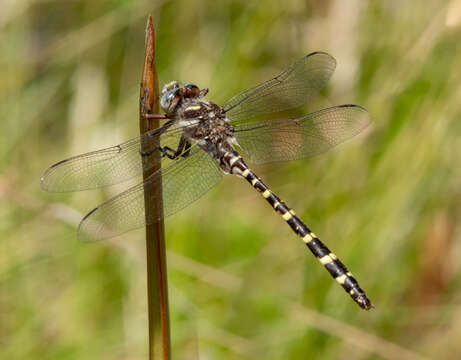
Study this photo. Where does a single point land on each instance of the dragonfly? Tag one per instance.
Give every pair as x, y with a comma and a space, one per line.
201, 141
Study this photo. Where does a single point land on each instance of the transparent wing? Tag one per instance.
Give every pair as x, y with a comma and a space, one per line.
107, 166
182, 183
294, 87
302, 137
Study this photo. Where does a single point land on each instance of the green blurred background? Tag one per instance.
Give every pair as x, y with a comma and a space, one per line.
242, 286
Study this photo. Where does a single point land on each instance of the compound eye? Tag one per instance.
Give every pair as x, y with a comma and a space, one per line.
192, 90
170, 86
170, 100
191, 86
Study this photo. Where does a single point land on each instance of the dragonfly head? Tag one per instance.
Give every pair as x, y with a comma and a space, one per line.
174, 92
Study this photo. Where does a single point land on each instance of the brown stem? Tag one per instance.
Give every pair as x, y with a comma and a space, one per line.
157, 285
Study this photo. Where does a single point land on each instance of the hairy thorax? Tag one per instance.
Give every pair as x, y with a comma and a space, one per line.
206, 124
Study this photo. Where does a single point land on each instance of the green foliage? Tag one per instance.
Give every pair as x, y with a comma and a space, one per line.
242, 286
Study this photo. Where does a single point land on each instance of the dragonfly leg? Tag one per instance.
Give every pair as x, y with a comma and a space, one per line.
186, 152
143, 101
156, 133
145, 109
174, 154
155, 116
165, 151
168, 152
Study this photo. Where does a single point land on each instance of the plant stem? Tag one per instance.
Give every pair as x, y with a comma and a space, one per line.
157, 285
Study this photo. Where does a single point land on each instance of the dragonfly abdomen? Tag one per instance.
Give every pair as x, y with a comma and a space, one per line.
328, 259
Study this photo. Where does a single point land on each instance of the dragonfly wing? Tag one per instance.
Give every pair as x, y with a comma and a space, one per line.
182, 183
302, 137
108, 166
294, 87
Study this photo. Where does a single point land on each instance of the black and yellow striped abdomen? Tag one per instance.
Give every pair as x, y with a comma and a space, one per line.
329, 260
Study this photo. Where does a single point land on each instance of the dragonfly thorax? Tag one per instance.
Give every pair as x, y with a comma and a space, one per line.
205, 124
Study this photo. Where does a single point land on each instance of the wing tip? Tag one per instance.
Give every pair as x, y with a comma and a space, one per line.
45, 183
365, 117
46, 178
353, 106
320, 53
58, 163
323, 53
